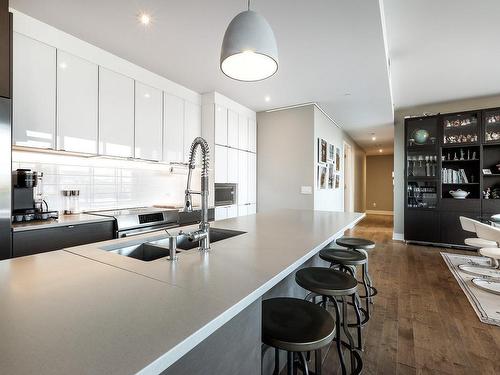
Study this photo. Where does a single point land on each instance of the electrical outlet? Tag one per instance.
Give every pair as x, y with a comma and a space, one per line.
306, 190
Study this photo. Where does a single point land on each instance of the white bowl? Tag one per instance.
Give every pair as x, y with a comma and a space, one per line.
459, 194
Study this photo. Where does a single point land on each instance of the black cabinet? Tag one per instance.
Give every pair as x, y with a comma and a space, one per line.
446, 153
5, 49
451, 229
35, 241
422, 225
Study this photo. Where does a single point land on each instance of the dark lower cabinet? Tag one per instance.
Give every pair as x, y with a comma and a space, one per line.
451, 229
36, 241
422, 225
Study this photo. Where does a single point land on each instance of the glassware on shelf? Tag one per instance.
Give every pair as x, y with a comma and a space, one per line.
421, 195
421, 165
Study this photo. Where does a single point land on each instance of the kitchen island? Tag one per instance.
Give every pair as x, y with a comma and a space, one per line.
85, 310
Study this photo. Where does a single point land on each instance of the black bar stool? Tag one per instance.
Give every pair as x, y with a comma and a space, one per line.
347, 260
332, 285
361, 245
297, 326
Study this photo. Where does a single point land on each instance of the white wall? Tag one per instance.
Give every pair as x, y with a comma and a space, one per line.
287, 149
286, 154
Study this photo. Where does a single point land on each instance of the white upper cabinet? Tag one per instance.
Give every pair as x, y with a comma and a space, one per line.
232, 129
173, 128
148, 122
192, 128
252, 178
34, 93
242, 177
77, 103
116, 114
242, 132
220, 164
220, 125
252, 135
232, 165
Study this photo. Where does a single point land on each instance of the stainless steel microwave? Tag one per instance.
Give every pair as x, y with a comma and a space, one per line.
225, 194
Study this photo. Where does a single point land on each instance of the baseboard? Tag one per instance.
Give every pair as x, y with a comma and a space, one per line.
379, 212
398, 236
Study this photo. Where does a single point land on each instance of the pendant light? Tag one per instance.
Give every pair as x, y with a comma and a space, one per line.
249, 51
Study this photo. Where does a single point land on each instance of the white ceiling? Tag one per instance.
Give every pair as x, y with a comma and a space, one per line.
443, 50
327, 48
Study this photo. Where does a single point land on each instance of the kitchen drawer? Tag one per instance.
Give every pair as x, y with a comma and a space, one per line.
35, 241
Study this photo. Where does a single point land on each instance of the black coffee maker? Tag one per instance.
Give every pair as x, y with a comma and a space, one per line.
28, 203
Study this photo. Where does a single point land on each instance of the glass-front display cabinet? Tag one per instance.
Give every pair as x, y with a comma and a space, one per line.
422, 194
422, 165
492, 126
461, 128
421, 131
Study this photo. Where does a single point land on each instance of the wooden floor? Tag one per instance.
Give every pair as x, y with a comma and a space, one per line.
422, 323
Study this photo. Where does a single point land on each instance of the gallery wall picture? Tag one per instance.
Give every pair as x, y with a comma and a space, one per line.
322, 150
331, 175
322, 177
331, 152
337, 159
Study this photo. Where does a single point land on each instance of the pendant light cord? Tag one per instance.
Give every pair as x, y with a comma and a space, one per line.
248, 4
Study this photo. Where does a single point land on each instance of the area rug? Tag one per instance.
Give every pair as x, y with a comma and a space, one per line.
486, 305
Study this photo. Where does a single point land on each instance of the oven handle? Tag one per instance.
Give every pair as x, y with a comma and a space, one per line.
136, 232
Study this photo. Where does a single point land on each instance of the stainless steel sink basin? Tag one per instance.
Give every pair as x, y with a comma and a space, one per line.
158, 248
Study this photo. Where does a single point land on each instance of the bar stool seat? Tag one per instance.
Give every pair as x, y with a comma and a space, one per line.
342, 256
355, 243
326, 282
296, 325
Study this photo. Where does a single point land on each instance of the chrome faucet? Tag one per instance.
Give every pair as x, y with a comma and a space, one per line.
202, 234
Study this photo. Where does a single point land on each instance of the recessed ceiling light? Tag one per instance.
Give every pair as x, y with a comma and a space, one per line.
267, 98
144, 18
380, 150
63, 65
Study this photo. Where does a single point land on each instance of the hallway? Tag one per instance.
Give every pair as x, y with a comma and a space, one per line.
422, 323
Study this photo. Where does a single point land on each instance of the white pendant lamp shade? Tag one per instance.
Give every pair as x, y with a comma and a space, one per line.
249, 51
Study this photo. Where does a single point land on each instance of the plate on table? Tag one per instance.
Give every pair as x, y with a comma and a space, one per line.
488, 285
480, 270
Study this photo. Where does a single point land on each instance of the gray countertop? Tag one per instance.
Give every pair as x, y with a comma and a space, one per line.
63, 220
87, 308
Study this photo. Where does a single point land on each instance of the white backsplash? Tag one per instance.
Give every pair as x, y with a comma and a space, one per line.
106, 183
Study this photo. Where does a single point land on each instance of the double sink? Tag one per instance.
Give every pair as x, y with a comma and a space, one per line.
158, 247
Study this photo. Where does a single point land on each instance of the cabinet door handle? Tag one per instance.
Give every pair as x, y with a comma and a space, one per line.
70, 226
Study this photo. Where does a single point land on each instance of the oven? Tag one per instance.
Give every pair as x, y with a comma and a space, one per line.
225, 194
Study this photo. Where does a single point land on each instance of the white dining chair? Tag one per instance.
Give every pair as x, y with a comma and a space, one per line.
468, 225
489, 233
